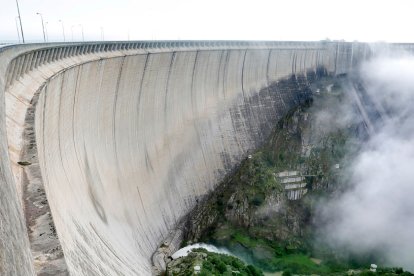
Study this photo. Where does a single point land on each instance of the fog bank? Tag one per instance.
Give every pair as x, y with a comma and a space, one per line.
376, 213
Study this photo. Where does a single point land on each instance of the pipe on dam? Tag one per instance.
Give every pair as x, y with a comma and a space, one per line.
130, 135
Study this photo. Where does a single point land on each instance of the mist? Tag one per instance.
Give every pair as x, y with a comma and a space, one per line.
211, 248
376, 212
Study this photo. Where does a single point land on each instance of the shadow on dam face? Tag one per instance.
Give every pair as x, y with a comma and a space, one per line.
128, 139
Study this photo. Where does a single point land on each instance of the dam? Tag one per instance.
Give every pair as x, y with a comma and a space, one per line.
127, 137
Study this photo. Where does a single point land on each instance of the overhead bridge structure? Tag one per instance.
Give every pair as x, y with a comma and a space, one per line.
110, 145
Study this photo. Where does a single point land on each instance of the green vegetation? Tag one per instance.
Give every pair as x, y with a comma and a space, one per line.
211, 264
273, 255
386, 271
291, 264
392, 271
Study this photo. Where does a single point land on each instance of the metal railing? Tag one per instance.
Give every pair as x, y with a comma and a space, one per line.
30, 60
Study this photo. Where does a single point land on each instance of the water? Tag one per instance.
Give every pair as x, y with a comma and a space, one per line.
211, 248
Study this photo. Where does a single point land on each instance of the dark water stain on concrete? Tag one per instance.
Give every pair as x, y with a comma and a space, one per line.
93, 182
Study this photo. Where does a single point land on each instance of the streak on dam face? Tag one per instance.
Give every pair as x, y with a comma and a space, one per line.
130, 135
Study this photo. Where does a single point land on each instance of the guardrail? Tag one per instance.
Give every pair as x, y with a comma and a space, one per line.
30, 60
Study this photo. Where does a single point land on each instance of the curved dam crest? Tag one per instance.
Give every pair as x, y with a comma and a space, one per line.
131, 135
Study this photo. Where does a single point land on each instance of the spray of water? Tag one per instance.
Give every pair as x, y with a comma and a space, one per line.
211, 248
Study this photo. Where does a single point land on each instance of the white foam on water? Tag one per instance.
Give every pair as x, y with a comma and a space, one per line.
211, 248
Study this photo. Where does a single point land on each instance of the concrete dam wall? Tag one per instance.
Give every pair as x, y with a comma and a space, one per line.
129, 136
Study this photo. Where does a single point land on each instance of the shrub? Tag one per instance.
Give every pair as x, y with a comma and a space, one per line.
221, 267
399, 270
253, 271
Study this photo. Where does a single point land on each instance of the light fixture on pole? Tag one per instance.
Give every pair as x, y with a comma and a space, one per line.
17, 28
20, 19
63, 31
83, 38
47, 36
43, 26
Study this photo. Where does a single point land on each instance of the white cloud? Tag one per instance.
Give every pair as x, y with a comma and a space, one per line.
377, 212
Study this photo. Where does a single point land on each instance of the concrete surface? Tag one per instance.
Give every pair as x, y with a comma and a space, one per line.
129, 135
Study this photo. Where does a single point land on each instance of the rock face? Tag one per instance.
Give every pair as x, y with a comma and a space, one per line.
264, 211
131, 135
44, 242
260, 197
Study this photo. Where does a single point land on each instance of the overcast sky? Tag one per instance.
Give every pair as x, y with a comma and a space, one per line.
362, 20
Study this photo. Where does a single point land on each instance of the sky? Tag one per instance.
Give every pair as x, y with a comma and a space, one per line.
368, 20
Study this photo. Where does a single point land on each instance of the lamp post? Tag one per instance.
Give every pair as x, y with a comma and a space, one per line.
47, 36
43, 26
63, 31
17, 27
20, 19
83, 38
